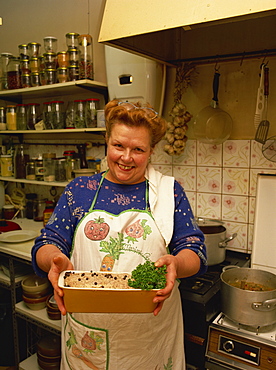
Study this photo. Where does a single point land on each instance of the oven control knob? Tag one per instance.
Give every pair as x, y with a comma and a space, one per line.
228, 346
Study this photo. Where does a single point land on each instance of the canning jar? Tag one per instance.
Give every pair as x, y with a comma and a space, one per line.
49, 166
25, 80
63, 59
60, 169
25, 66
34, 64
73, 54
21, 117
91, 107
6, 165
79, 113
11, 117
47, 115
50, 60
73, 73
58, 114
86, 57
30, 170
69, 115
41, 63
50, 76
33, 115
33, 49
72, 39
62, 74
42, 78
4, 61
23, 51
35, 79
50, 44
13, 73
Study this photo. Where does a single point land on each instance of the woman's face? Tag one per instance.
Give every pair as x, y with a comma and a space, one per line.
128, 152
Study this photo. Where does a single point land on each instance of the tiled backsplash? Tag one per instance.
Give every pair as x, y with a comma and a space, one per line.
220, 182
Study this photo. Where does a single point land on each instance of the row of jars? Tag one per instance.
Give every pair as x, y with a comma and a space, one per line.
53, 115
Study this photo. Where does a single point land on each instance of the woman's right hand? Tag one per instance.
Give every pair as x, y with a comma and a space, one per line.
59, 264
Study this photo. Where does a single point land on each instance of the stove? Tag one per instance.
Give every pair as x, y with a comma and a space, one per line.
201, 304
235, 346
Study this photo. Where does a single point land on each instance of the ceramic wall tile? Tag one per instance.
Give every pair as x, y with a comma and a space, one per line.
164, 169
186, 176
251, 212
239, 243
257, 158
209, 179
209, 205
189, 155
209, 155
235, 181
250, 238
236, 153
159, 156
235, 208
253, 179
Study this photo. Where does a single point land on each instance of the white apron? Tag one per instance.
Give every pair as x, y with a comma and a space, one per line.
108, 341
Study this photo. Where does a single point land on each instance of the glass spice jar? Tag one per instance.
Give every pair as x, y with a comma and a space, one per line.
41, 63
72, 39
34, 64
23, 51
39, 169
4, 61
13, 74
50, 76
62, 74
60, 169
73, 73
73, 54
25, 80
86, 57
30, 171
50, 60
24, 66
35, 79
63, 59
33, 49
42, 78
11, 117
50, 44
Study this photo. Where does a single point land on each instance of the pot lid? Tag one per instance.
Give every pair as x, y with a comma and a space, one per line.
208, 222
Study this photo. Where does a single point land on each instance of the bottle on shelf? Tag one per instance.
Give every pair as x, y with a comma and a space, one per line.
20, 160
33, 115
82, 155
21, 117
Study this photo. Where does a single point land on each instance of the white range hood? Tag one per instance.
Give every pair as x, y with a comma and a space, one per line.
174, 30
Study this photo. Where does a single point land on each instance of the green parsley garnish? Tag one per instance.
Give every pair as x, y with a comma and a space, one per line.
146, 276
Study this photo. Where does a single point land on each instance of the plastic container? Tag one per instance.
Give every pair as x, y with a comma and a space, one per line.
11, 117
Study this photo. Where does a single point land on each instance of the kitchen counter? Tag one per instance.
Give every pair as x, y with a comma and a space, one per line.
22, 249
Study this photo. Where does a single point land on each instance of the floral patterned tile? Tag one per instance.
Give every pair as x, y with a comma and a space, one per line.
192, 200
240, 241
186, 176
209, 155
159, 156
164, 169
251, 213
253, 179
235, 208
189, 155
208, 205
250, 238
235, 181
257, 158
209, 179
236, 153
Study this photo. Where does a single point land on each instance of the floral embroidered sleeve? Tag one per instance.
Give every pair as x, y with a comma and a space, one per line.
187, 234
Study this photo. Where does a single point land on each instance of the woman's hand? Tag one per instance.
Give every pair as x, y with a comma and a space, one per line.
59, 264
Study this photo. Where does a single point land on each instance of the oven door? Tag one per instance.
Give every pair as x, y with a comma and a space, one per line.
214, 365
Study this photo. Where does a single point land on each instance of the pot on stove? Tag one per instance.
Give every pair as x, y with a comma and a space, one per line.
248, 295
215, 240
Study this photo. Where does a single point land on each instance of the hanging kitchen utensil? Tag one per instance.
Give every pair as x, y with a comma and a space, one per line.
269, 149
260, 100
212, 125
262, 130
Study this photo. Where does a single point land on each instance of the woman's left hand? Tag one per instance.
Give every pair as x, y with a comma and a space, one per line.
163, 294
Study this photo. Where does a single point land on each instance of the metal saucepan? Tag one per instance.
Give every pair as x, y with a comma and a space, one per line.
215, 239
212, 125
244, 305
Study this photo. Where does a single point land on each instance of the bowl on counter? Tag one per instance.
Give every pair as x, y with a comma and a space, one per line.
34, 284
35, 303
52, 309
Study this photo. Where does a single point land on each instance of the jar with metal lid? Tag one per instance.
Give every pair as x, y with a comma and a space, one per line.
86, 57
33, 115
25, 80
50, 44
30, 171
49, 166
91, 107
33, 49
35, 79
62, 74
11, 117
50, 76
60, 169
8, 211
79, 111
58, 114
42, 78
63, 59
4, 61
73, 54
34, 64
30, 198
73, 73
6, 165
41, 63
72, 39
21, 117
13, 73
24, 66
23, 51
39, 169
50, 60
